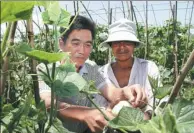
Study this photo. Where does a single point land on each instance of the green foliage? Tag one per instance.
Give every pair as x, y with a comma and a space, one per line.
192, 74
183, 111
188, 93
97, 55
90, 88
127, 119
161, 41
41, 56
12, 119
159, 92
68, 83
57, 127
13, 11
20, 114
164, 123
176, 118
55, 15
25, 116
166, 75
19, 10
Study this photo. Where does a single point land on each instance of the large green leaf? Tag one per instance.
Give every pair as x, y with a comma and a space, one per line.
184, 114
161, 92
160, 124
55, 15
176, 118
90, 88
13, 11
153, 82
41, 56
67, 66
22, 10
46, 18
64, 19
68, 83
128, 119
54, 11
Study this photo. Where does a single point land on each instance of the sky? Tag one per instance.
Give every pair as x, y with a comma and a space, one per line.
158, 11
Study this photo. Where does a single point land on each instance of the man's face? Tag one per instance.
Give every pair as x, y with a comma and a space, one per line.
79, 44
123, 50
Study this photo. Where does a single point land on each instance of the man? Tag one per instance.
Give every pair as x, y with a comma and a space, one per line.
76, 111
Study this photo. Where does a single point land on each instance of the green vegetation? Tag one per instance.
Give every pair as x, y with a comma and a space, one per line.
23, 111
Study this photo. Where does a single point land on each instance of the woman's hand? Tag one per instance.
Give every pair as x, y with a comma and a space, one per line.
136, 95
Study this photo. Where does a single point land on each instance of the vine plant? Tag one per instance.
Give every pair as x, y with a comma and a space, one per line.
176, 117
31, 117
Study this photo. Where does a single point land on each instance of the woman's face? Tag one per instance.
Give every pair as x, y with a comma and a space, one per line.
123, 50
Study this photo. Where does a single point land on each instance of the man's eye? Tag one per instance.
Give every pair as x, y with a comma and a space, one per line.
88, 44
75, 44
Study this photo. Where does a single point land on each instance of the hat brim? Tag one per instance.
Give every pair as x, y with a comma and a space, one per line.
119, 36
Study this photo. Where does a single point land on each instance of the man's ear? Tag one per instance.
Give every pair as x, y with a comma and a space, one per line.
61, 44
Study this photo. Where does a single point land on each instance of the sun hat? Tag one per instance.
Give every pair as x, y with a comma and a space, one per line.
121, 30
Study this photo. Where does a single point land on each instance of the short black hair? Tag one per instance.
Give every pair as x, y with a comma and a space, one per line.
79, 23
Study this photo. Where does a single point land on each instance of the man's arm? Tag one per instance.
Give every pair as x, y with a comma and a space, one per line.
91, 116
65, 109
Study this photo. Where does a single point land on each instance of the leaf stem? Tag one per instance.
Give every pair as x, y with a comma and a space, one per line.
48, 73
70, 24
154, 100
105, 116
52, 95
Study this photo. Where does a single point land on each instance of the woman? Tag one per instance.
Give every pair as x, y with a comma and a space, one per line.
127, 70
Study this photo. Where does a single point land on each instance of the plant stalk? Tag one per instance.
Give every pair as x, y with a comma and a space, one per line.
52, 95
5, 60
177, 86
105, 116
33, 63
5, 38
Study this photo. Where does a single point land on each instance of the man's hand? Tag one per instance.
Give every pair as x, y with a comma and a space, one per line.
136, 95
95, 120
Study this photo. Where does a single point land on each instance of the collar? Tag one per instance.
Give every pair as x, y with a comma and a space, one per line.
83, 70
134, 71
